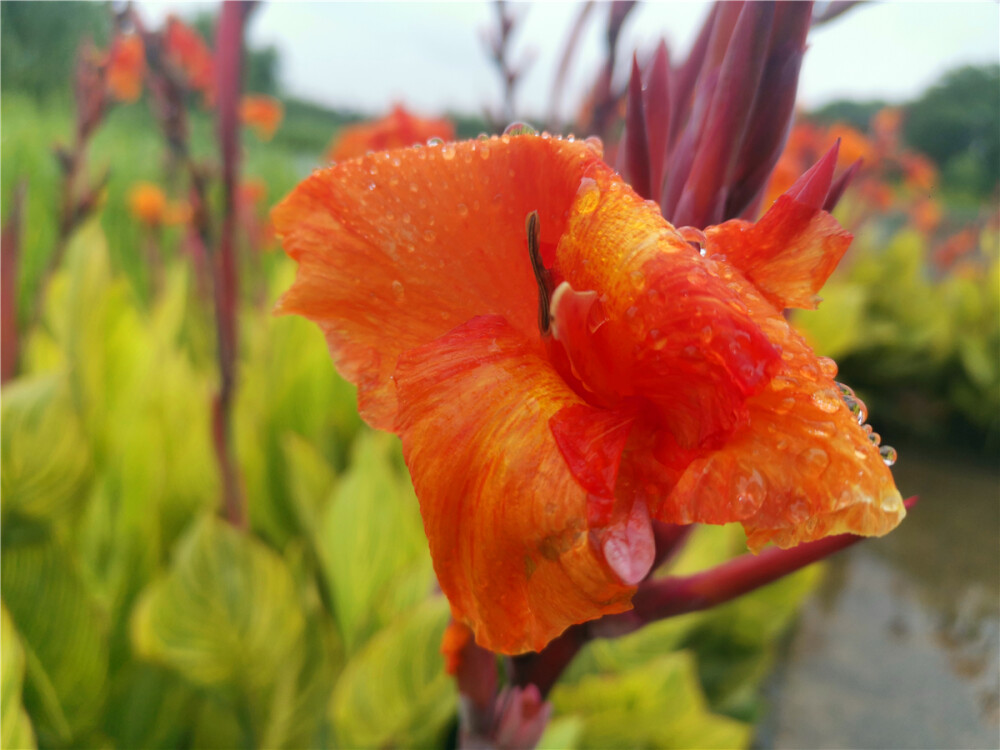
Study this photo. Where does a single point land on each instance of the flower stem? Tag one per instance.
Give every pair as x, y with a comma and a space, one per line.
229, 46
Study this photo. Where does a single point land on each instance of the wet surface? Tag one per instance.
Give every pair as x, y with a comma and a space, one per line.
900, 648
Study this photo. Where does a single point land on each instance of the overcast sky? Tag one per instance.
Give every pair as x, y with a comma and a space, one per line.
430, 56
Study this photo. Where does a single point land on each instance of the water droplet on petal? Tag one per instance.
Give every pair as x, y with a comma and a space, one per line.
588, 195
462, 209
694, 237
888, 454
483, 137
397, 291
827, 400
519, 128
448, 153
434, 142
594, 144
827, 367
429, 236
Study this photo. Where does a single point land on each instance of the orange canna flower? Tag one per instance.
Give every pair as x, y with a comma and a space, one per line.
919, 172
187, 52
262, 114
563, 366
252, 191
126, 67
927, 215
397, 129
147, 203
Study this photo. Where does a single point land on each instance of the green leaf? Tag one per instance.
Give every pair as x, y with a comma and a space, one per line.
562, 734
15, 726
311, 479
394, 692
735, 642
63, 636
226, 613
147, 708
370, 538
836, 327
45, 466
657, 705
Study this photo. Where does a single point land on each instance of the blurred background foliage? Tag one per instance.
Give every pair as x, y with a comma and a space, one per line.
134, 617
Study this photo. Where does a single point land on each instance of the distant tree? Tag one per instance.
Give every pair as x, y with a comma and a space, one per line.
957, 124
856, 114
39, 41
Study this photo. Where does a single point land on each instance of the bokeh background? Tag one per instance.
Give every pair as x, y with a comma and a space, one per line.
134, 617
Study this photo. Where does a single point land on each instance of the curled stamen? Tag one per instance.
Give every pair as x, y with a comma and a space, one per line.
543, 278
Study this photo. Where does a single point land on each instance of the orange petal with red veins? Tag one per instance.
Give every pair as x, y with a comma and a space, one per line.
504, 515
671, 331
788, 255
396, 249
801, 468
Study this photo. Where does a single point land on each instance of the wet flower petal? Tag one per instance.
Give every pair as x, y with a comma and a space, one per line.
788, 255
396, 249
505, 518
801, 468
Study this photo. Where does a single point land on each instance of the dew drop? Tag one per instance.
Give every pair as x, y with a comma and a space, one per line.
483, 137
435, 141
484, 152
448, 153
638, 278
397, 291
857, 408
462, 209
429, 236
888, 454
519, 128
570, 138
827, 367
631, 312
588, 195
393, 181
594, 144
414, 187
694, 237
505, 139
827, 400
406, 218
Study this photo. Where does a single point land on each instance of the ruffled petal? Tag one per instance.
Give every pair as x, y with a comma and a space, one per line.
397, 248
668, 329
788, 255
802, 468
505, 517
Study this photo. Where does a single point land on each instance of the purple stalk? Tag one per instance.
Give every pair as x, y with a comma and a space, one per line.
10, 261
703, 200
229, 63
656, 101
840, 185
633, 153
771, 119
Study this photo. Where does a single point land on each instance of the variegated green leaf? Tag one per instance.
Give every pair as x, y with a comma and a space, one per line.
394, 692
15, 726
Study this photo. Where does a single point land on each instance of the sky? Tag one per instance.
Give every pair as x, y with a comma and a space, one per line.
431, 56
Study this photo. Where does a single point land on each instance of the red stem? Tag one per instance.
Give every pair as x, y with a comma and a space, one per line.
658, 599
229, 47
10, 257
